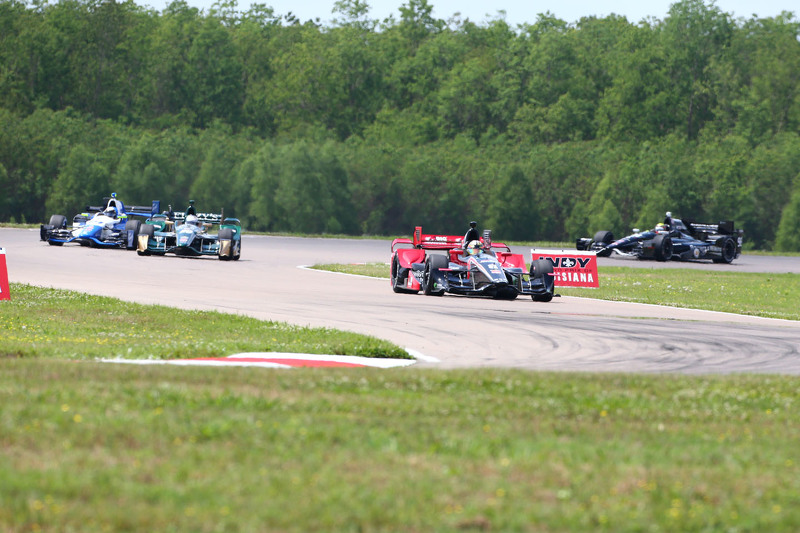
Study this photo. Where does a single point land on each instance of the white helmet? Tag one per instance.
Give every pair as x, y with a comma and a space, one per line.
193, 220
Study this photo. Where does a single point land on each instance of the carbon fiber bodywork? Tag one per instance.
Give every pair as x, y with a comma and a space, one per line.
721, 243
438, 264
186, 235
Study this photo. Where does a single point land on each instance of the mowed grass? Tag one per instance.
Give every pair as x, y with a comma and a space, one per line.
39, 322
89, 446
103, 447
747, 293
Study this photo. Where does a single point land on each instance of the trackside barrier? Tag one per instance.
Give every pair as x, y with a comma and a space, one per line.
5, 292
571, 268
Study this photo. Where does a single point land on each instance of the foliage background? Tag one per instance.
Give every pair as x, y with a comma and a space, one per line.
546, 131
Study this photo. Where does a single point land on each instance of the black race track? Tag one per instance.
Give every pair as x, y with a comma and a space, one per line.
567, 334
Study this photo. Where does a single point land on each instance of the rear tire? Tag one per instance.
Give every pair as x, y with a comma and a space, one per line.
728, 252
604, 237
432, 265
58, 221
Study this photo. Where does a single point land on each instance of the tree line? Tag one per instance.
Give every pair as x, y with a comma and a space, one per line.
543, 131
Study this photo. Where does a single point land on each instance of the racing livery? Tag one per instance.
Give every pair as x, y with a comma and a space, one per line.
106, 226
671, 240
186, 233
435, 264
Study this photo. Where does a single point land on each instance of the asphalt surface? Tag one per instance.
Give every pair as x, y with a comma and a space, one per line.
567, 334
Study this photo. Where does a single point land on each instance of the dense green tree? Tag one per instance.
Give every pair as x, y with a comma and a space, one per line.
406, 121
82, 180
512, 211
787, 238
640, 102
692, 35
312, 192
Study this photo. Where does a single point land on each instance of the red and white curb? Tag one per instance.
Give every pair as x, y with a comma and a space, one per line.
278, 360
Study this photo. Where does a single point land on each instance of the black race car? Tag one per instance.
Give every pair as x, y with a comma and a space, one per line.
673, 239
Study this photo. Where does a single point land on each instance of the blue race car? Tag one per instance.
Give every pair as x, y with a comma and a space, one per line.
106, 226
186, 233
671, 240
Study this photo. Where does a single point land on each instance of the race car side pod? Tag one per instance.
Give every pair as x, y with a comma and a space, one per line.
5, 292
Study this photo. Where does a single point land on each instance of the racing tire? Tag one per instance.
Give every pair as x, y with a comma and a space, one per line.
600, 243
58, 221
225, 234
542, 268
432, 264
662, 247
728, 252
397, 285
149, 230
603, 237
135, 226
44, 231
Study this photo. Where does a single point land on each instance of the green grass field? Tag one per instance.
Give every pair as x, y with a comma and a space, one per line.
91, 446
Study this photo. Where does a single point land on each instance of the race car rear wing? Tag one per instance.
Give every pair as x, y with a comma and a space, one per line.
138, 210
208, 218
427, 241
724, 227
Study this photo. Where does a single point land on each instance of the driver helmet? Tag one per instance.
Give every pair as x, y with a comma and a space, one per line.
474, 247
110, 212
660, 227
192, 219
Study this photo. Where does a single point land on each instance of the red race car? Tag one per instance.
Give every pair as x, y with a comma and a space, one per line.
435, 264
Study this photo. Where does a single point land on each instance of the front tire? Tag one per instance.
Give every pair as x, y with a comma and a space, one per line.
543, 269
134, 226
149, 230
397, 283
225, 234
432, 265
662, 247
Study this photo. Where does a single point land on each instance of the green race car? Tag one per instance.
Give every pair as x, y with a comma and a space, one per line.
187, 234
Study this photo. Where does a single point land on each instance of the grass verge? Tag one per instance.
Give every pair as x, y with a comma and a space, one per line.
746, 293
98, 447
40, 322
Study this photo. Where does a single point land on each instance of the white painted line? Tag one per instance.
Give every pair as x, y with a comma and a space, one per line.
268, 360
422, 357
378, 362
192, 362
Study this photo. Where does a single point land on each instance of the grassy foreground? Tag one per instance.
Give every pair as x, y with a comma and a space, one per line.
746, 293
103, 447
